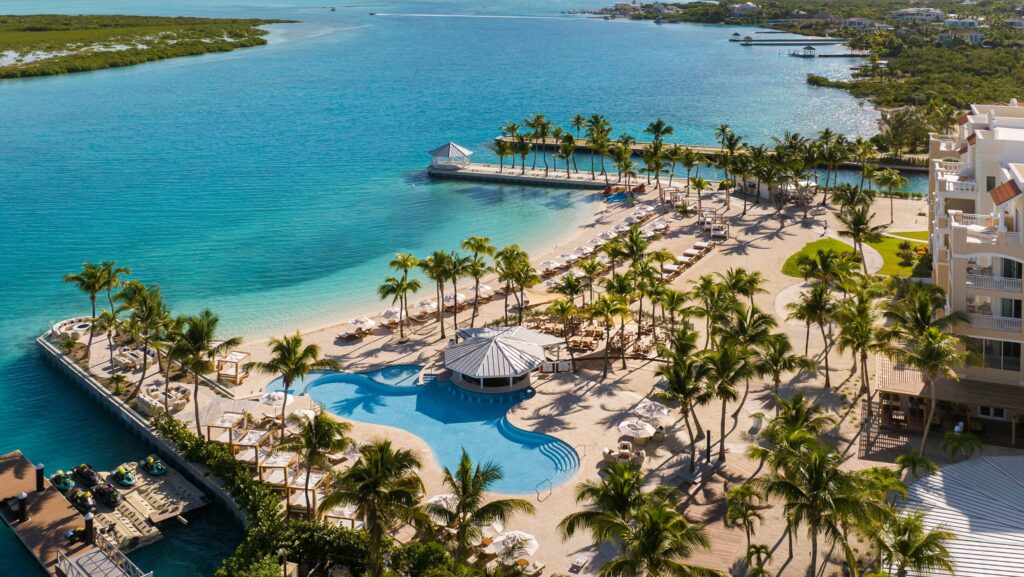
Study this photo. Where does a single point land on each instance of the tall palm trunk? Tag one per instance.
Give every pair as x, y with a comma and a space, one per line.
145, 363
929, 381
284, 405
110, 347
721, 434
455, 310
195, 402
310, 508
813, 571
88, 346
828, 374
522, 302
565, 335
440, 306
622, 341
693, 440
607, 347
476, 301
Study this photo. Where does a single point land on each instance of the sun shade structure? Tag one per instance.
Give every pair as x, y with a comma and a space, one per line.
450, 155
982, 502
497, 358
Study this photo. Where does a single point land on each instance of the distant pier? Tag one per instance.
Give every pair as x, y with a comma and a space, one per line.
532, 177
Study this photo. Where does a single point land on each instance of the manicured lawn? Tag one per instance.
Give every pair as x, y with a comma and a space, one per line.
888, 248
791, 268
921, 235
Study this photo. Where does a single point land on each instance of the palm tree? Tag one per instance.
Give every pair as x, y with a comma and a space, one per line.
913, 465
747, 331
727, 366
859, 229
743, 283
578, 123
456, 267
502, 149
319, 436
405, 262
656, 543
147, 313
384, 487
890, 179
110, 274
820, 495
828, 266
90, 281
905, 543
936, 354
590, 267
685, 373
964, 444
195, 349
699, 185
859, 334
721, 132
606, 308
469, 512
292, 361
741, 510
398, 289
659, 129
521, 147
435, 267
617, 495
512, 130
775, 356
506, 262
564, 310
525, 276
820, 309
714, 301
865, 151
109, 322
673, 303
917, 311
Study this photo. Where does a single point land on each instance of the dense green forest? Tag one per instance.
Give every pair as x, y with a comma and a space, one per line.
42, 45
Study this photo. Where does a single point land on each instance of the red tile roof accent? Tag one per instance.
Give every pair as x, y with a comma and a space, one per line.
964, 148
963, 119
1005, 192
972, 138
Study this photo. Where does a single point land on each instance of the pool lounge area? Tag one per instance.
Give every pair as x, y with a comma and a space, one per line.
448, 419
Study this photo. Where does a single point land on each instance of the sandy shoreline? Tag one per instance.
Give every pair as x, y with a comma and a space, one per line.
603, 216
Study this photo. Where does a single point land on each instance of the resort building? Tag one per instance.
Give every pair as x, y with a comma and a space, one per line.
974, 38
954, 21
975, 213
1015, 23
918, 15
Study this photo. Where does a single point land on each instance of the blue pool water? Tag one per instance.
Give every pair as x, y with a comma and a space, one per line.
274, 184
448, 419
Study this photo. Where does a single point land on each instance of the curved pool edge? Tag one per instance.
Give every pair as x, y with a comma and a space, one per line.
563, 456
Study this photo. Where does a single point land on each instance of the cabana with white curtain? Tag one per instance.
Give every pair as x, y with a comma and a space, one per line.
497, 359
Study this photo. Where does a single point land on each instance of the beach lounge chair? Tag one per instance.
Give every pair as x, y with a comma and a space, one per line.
533, 568
578, 564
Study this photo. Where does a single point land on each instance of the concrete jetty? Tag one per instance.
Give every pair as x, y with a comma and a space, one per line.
532, 177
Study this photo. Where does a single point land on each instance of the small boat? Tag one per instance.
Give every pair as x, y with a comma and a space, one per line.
83, 501
124, 476
106, 493
62, 481
86, 475
333, 9
153, 465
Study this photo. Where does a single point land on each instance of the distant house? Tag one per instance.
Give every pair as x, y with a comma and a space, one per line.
954, 21
744, 10
972, 37
918, 15
623, 7
1015, 23
859, 23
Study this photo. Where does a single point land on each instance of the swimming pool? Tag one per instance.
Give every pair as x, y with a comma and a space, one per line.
447, 418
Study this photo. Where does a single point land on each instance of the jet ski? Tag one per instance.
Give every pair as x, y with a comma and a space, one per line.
124, 476
106, 493
83, 501
153, 465
86, 475
62, 481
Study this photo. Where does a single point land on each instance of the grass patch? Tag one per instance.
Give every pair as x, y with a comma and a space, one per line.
921, 235
791, 268
888, 248
50, 44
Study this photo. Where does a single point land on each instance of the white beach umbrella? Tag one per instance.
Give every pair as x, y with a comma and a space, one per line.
649, 409
363, 323
636, 428
484, 291
607, 235
631, 219
621, 228
455, 298
275, 398
391, 314
513, 544
549, 265
446, 501
581, 251
493, 530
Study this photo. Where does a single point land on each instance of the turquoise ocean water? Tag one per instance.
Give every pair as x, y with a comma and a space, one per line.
272, 184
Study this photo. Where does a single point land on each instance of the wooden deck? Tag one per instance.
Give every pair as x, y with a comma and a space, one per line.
50, 515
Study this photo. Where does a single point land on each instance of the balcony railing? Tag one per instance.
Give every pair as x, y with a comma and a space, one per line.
981, 281
1006, 324
950, 184
985, 220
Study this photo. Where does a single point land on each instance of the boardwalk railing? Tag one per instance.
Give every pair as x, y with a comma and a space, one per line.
118, 558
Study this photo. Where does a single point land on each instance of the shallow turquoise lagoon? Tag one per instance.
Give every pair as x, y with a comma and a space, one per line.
273, 184
448, 419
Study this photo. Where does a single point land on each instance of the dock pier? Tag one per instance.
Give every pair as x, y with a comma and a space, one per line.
532, 177
42, 518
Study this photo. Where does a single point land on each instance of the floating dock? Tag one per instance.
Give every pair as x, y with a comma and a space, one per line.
532, 177
41, 518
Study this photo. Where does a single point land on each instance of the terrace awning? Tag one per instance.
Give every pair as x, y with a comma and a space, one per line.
488, 353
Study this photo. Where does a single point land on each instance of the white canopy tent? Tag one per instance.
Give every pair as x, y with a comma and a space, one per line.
450, 155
